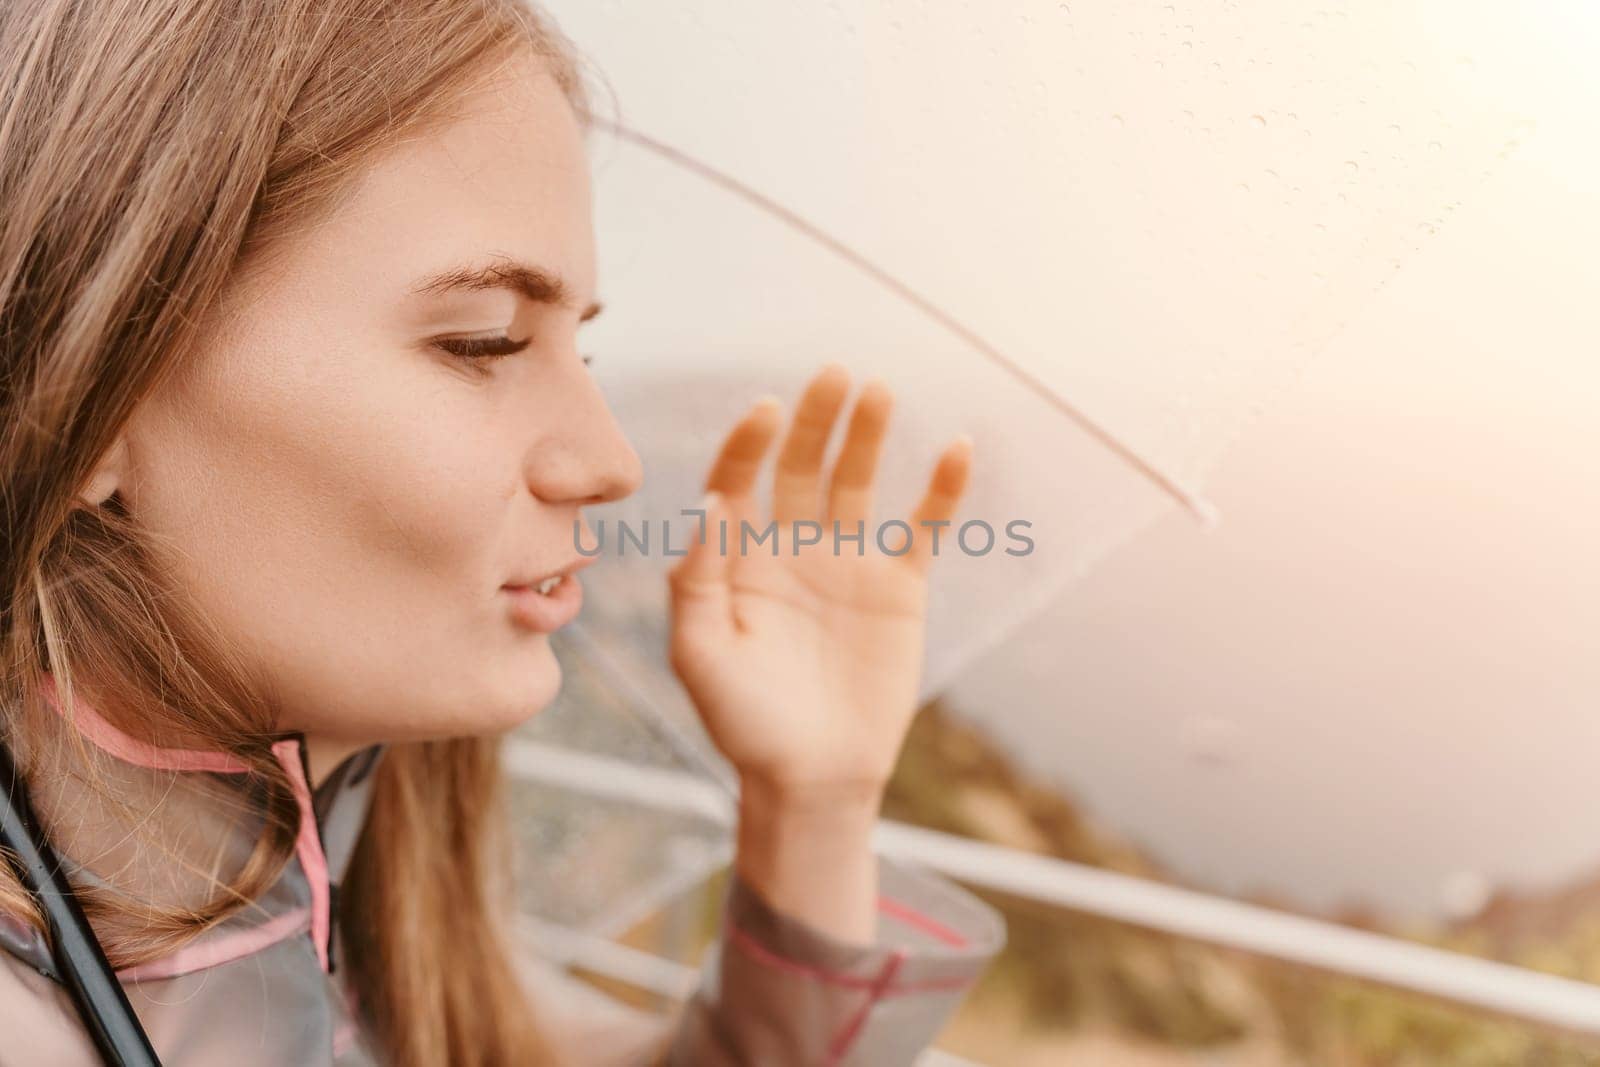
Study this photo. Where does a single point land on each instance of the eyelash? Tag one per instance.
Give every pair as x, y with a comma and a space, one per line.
483, 349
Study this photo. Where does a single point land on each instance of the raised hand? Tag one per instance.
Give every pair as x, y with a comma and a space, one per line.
804, 665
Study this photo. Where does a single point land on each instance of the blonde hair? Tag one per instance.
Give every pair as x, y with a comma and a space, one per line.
149, 154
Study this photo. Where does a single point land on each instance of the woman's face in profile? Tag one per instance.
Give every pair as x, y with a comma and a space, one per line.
346, 495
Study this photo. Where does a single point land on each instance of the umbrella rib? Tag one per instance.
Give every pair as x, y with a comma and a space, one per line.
1196, 505
644, 711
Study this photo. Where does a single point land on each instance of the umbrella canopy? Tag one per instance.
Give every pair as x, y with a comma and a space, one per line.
1100, 238
1376, 680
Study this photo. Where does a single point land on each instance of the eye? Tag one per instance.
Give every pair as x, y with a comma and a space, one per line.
482, 348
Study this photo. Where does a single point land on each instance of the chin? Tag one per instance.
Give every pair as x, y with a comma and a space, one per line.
526, 686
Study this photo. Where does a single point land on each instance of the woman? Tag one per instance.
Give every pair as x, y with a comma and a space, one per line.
293, 430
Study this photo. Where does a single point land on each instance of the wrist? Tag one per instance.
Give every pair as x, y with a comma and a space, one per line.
808, 852
840, 800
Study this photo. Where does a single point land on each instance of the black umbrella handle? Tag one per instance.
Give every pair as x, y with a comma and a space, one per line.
79, 960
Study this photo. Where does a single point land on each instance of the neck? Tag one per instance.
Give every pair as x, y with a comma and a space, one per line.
324, 753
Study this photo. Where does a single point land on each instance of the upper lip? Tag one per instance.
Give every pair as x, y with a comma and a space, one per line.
571, 568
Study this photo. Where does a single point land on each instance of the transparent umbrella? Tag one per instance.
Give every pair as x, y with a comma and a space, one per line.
1099, 238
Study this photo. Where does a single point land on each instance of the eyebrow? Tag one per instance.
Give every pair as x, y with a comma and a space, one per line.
538, 284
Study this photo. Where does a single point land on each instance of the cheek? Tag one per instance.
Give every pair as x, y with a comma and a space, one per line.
430, 504
423, 522
358, 561
433, 651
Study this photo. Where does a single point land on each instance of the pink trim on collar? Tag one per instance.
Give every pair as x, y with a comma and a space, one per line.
308, 846
219, 949
101, 733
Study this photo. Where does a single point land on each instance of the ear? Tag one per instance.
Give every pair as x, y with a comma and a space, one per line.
110, 474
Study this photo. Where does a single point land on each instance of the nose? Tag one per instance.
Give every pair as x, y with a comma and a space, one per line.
582, 457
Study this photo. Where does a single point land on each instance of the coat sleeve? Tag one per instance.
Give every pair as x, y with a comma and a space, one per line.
776, 991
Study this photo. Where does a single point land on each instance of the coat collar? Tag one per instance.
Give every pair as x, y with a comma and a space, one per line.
332, 817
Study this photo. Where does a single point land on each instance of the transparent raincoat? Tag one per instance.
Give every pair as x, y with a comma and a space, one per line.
266, 986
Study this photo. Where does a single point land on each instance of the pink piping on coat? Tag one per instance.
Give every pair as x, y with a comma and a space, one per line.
840, 1045
877, 988
762, 954
308, 846
928, 925
221, 949
140, 753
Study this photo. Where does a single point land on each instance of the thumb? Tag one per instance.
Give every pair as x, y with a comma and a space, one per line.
698, 583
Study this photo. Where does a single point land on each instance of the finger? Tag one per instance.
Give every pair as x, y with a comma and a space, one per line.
850, 495
797, 482
698, 583
738, 463
945, 488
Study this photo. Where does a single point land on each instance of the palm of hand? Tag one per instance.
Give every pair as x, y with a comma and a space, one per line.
804, 662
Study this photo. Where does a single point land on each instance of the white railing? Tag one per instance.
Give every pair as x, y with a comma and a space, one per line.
1500, 988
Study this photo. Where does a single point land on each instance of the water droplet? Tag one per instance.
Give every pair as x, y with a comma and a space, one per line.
1258, 121
1433, 146
1118, 120
1351, 166
1211, 739
1464, 895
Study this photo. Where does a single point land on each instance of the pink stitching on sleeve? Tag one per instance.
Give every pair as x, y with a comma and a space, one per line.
851, 1030
761, 954
910, 916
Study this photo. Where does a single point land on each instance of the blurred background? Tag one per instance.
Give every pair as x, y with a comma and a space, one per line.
1275, 321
